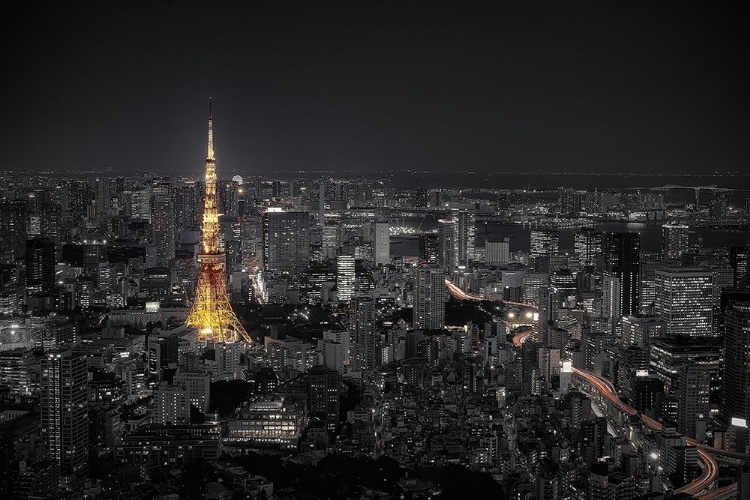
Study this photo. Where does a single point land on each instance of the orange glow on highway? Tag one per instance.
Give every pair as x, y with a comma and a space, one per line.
710, 467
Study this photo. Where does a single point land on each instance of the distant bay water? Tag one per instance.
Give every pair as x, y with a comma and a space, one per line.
519, 236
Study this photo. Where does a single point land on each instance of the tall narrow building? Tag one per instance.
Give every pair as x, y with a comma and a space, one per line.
212, 313
621, 259
736, 403
64, 398
429, 298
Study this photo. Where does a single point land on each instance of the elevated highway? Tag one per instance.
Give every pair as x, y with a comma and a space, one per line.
702, 485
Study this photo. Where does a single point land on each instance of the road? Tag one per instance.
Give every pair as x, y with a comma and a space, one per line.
710, 468
520, 337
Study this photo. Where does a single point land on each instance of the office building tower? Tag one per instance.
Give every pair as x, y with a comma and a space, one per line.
188, 206
162, 224
345, 277
738, 261
466, 230
647, 289
621, 253
668, 354
362, 328
544, 242
286, 240
428, 247
171, 405
587, 245
40, 267
64, 408
639, 330
12, 229
448, 244
497, 253
198, 385
429, 298
323, 395
684, 300
381, 242
611, 300
693, 400
736, 397
674, 241
530, 284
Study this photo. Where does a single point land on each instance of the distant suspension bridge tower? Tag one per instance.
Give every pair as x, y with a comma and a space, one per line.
211, 312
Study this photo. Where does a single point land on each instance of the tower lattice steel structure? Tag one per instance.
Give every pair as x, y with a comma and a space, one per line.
211, 313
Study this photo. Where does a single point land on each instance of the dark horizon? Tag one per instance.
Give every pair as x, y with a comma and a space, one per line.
383, 87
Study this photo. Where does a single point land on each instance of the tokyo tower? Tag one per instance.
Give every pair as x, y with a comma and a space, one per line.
211, 313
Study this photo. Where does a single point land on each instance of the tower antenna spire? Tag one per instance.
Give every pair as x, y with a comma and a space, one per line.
210, 155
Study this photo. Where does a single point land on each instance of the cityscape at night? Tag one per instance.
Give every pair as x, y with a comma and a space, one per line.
283, 250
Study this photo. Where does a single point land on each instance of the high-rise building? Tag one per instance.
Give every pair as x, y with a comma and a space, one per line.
544, 242
162, 224
428, 247
345, 276
674, 241
736, 397
465, 238
611, 300
40, 267
171, 405
198, 385
693, 400
639, 330
211, 312
621, 253
64, 405
286, 240
362, 328
381, 242
429, 298
497, 253
12, 229
448, 244
684, 300
323, 395
587, 244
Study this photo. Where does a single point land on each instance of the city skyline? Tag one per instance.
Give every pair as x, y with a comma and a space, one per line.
341, 88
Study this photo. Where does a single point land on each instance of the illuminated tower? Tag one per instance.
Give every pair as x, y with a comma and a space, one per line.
211, 313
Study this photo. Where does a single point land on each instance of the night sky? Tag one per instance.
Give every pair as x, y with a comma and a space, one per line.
375, 86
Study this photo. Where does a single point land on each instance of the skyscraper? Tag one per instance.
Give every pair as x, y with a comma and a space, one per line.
736, 397
362, 328
693, 400
544, 242
448, 244
64, 405
465, 237
674, 241
381, 243
12, 229
286, 240
429, 298
587, 244
323, 395
163, 227
345, 276
621, 253
684, 300
40, 267
212, 313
